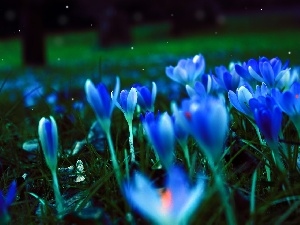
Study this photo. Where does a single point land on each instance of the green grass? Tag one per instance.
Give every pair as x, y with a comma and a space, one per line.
219, 45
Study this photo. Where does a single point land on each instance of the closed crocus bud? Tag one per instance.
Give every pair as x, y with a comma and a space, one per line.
161, 135
146, 99
207, 121
49, 140
101, 101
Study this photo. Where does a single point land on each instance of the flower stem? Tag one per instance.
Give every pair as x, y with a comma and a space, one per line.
185, 149
132, 154
276, 156
58, 198
230, 217
113, 158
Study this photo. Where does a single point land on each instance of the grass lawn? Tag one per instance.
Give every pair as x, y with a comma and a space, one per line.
239, 38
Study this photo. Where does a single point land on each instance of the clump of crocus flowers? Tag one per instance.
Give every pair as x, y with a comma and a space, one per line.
258, 91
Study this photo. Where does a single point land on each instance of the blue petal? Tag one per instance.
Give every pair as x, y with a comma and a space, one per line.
105, 104
169, 71
123, 99
11, 194
253, 64
242, 72
143, 197
234, 101
178, 184
190, 69
277, 118
276, 65
287, 103
267, 73
227, 78
264, 121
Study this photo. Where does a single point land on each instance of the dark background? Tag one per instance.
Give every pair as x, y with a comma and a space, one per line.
81, 14
32, 20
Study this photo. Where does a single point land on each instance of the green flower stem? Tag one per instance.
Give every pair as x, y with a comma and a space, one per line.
276, 156
5, 218
58, 198
257, 132
114, 159
132, 154
229, 213
184, 146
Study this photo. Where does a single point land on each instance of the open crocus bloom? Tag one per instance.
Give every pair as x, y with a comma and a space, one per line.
187, 70
172, 205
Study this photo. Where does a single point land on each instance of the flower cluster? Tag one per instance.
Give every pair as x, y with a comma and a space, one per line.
262, 93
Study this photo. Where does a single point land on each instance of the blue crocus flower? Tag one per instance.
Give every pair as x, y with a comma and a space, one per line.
174, 204
101, 102
146, 99
197, 90
160, 132
6, 201
268, 117
228, 80
287, 80
127, 103
47, 131
289, 102
207, 121
263, 70
187, 70
206, 86
180, 133
240, 99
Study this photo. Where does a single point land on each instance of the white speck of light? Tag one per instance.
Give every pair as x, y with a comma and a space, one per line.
289, 52
91, 24
67, 6
260, 9
167, 42
19, 30
132, 48
58, 59
216, 32
2, 59
143, 69
72, 99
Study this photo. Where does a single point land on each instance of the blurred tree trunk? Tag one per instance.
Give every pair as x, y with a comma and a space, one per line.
32, 34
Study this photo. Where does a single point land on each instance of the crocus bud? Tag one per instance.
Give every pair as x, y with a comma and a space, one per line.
101, 102
49, 140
